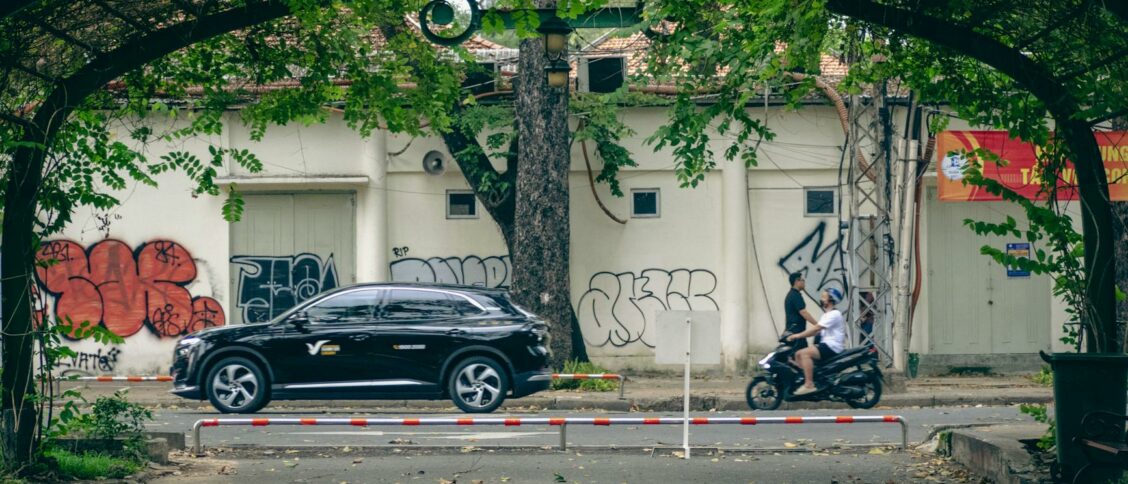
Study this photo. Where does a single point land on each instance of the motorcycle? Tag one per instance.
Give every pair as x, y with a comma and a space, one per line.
851, 376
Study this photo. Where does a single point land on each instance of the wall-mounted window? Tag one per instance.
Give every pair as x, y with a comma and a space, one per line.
646, 203
820, 202
461, 204
605, 74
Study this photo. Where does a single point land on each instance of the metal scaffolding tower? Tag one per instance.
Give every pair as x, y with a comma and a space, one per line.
869, 247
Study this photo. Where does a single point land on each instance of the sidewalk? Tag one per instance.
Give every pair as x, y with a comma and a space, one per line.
644, 394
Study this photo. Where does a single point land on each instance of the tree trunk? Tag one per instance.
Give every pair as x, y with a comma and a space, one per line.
17, 252
533, 216
541, 232
1120, 235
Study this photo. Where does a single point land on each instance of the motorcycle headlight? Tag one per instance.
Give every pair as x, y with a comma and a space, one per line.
764, 362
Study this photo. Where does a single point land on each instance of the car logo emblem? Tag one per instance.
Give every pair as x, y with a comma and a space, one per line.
313, 348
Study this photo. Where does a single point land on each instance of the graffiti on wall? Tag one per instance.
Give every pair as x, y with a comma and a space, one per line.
125, 289
470, 270
269, 285
96, 361
821, 265
622, 309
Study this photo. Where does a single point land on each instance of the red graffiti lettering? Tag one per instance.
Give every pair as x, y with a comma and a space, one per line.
123, 289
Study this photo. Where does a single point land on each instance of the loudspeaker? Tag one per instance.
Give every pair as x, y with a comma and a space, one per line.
434, 163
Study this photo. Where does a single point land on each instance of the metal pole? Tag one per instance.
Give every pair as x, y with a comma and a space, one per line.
685, 401
563, 437
197, 446
904, 433
622, 386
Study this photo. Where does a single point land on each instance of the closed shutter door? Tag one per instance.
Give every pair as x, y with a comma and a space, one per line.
288, 248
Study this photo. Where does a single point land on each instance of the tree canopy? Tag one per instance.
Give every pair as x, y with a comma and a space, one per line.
1047, 71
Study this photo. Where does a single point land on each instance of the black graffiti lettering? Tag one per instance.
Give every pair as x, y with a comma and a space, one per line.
57, 251
401, 251
93, 362
166, 252
269, 285
470, 270
621, 309
822, 266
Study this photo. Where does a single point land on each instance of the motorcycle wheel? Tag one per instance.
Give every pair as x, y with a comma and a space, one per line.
763, 394
871, 395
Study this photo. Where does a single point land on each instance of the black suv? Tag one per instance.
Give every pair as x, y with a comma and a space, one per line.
372, 341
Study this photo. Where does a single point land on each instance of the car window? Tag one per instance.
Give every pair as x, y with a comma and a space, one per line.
411, 304
351, 306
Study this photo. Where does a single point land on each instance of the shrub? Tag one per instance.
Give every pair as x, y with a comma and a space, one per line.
576, 366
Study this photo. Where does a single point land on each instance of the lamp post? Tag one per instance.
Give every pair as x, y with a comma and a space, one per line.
555, 32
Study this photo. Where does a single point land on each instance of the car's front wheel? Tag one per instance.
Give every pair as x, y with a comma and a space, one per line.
236, 385
478, 385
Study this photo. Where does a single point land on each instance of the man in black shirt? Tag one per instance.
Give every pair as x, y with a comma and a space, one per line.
795, 309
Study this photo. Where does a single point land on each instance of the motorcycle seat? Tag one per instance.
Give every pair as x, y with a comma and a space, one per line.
845, 354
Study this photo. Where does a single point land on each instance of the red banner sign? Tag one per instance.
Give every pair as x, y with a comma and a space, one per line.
1021, 173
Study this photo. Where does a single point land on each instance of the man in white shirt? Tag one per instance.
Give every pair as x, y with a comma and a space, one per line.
833, 328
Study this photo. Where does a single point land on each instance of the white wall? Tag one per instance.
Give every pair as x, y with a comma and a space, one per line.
621, 274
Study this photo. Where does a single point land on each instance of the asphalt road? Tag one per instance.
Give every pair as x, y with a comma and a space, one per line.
921, 422
479, 467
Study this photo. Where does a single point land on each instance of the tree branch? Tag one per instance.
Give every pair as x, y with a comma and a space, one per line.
1034, 77
478, 167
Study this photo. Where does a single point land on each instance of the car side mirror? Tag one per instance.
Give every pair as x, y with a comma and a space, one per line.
299, 319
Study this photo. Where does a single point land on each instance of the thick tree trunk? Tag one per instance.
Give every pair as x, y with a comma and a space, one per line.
17, 252
1120, 234
1120, 218
1097, 231
541, 232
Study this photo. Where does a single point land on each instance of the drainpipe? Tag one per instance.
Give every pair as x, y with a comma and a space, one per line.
372, 211
734, 312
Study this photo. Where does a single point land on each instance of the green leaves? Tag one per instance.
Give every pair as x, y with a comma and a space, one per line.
233, 205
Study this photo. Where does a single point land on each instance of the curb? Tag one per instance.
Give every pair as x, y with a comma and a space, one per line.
999, 456
669, 404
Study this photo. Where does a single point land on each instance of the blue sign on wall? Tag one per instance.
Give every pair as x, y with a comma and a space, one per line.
1018, 249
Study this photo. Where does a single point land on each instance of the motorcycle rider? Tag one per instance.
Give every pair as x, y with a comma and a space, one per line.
833, 328
795, 309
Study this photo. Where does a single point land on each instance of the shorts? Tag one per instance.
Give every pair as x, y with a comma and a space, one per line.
825, 353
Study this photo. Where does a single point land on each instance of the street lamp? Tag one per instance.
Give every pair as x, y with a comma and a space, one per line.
555, 32
557, 73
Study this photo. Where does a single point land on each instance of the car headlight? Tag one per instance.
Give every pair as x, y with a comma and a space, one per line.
184, 346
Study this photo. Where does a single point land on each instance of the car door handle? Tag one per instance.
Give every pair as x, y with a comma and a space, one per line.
455, 332
358, 337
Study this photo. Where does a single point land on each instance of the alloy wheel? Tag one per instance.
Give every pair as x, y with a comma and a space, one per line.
478, 385
235, 385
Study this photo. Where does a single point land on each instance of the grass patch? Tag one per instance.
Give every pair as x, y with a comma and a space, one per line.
575, 366
1044, 377
91, 466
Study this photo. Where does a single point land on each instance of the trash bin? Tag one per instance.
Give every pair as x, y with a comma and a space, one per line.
1085, 382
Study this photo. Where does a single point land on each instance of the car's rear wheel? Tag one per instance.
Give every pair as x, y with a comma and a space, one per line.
237, 385
478, 385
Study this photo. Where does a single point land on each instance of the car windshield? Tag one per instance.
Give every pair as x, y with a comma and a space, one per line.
302, 305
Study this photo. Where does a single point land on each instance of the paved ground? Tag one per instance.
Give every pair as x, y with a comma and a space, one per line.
922, 421
578, 467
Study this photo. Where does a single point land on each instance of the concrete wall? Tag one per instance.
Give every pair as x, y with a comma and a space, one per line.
727, 244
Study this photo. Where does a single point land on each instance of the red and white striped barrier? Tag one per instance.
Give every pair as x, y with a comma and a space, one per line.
594, 376
562, 422
117, 378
